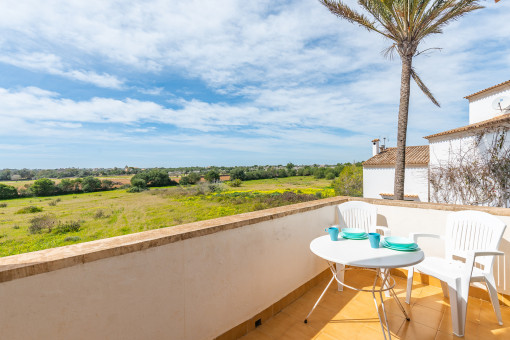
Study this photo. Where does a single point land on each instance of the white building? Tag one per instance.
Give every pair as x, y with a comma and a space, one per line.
446, 149
379, 173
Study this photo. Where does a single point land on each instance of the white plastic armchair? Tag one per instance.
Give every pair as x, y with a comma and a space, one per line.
357, 214
474, 236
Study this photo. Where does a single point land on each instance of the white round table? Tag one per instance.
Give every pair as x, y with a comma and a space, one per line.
359, 253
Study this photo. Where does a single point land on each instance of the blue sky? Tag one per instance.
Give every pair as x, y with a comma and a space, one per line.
224, 82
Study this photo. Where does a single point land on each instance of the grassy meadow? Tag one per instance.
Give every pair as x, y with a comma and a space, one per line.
112, 213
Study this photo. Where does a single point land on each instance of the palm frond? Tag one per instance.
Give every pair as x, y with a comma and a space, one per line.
423, 87
389, 52
442, 13
345, 12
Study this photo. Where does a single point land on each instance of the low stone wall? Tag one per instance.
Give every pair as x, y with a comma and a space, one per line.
194, 281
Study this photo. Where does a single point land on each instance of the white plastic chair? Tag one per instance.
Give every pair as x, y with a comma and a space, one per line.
357, 214
475, 237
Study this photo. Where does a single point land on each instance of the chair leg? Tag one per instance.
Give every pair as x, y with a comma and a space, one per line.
455, 307
410, 274
493, 293
444, 287
340, 270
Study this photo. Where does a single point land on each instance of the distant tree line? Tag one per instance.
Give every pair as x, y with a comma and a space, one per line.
47, 187
317, 171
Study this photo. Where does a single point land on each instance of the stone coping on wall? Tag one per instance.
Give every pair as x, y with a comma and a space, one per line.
23, 265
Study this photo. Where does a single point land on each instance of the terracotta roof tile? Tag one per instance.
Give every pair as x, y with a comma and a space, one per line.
485, 123
488, 89
415, 155
391, 195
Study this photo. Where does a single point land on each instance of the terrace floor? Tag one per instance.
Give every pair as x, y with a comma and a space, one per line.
352, 315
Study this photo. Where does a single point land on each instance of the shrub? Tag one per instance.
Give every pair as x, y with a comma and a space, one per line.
192, 178
136, 189
154, 178
29, 210
138, 182
238, 173
15, 226
106, 184
72, 239
8, 191
349, 182
43, 187
235, 183
67, 227
3, 205
90, 184
53, 203
212, 176
39, 223
100, 214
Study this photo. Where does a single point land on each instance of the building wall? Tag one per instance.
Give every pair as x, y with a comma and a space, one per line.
457, 149
480, 106
381, 180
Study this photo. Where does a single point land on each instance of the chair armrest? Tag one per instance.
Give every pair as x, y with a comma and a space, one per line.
475, 253
470, 259
415, 236
385, 230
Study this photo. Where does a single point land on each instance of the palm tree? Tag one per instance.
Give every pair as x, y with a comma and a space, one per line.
405, 23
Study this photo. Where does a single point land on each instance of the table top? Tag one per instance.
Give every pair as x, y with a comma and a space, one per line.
358, 253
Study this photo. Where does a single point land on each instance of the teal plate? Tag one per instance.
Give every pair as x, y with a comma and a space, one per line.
357, 237
386, 245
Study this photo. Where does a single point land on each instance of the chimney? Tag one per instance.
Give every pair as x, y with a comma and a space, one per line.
375, 147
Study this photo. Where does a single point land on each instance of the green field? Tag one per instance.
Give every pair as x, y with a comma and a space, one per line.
112, 213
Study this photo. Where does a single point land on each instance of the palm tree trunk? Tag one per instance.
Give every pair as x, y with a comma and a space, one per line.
403, 110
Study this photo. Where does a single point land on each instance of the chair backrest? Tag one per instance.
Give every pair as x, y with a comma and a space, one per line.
357, 214
473, 230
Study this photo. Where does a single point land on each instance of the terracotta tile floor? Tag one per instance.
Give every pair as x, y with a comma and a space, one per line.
352, 315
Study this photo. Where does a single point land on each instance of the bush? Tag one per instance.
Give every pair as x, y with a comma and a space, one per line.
236, 183
106, 184
39, 223
54, 202
212, 176
192, 178
237, 173
72, 239
154, 178
29, 210
43, 187
68, 227
349, 182
138, 182
136, 189
100, 214
90, 184
3, 205
7, 191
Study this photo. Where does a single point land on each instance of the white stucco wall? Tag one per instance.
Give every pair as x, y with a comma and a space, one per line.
451, 150
381, 180
480, 106
194, 289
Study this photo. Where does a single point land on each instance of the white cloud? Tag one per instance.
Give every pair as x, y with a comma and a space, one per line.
52, 64
285, 71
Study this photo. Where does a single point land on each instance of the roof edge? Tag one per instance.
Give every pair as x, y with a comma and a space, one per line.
487, 89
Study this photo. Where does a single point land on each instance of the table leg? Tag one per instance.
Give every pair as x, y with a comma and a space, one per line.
340, 269
384, 278
320, 297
